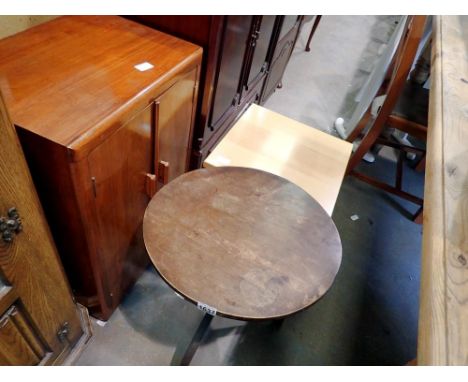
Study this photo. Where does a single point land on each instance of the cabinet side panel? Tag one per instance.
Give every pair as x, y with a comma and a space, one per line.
50, 169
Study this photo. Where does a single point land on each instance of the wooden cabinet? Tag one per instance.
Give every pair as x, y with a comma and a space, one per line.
258, 65
39, 322
236, 31
288, 31
101, 127
241, 54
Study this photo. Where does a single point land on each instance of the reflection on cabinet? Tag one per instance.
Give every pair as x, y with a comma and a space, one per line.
244, 61
174, 114
100, 134
39, 322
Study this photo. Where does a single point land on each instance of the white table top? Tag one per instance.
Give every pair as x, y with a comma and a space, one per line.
268, 141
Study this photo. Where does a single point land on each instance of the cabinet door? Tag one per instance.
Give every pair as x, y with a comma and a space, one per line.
280, 59
233, 48
261, 43
174, 115
38, 319
118, 168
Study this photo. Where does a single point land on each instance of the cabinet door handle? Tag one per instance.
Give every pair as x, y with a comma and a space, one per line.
150, 185
163, 172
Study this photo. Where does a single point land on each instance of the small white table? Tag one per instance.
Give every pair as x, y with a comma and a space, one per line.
268, 141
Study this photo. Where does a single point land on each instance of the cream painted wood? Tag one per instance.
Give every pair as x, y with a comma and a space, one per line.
268, 141
443, 315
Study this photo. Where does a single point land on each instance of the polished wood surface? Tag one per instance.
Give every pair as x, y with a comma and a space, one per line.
120, 199
37, 290
236, 34
258, 64
443, 314
250, 244
174, 118
271, 142
89, 72
93, 127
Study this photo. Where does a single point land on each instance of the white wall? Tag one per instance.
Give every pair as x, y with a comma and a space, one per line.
10, 25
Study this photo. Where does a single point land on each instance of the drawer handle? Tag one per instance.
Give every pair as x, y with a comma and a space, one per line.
163, 172
11, 225
150, 185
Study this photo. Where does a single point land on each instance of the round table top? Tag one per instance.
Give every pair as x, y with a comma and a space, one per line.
246, 243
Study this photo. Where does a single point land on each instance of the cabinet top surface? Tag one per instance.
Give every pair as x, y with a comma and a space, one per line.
248, 243
74, 77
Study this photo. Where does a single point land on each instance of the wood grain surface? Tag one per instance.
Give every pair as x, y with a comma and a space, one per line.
443, 322
268, 141
30, 264
250, 244
81, 91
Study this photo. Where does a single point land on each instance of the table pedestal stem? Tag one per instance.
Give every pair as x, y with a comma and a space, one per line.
197, 338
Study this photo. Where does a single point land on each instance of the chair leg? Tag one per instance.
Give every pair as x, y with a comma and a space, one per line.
353, 135
314, 27
421, 166
418, 216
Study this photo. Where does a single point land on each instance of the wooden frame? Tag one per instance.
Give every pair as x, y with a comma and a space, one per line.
403, 61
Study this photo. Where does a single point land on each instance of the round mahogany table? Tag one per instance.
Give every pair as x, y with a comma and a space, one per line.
241, 243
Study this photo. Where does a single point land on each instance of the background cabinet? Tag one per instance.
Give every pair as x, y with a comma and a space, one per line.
100, 137
288, 30
39, 322
244, 60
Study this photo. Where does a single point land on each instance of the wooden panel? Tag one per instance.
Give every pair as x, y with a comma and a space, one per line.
443, 323
271, 142
14, 348
23, 326
118, 169
94, 77
192, 28
30, 262
278, 66
233, 47
8, 296
262, 44
174, 121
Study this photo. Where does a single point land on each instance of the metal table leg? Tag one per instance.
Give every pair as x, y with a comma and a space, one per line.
196, 340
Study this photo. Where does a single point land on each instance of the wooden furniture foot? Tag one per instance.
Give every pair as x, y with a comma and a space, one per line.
312, 32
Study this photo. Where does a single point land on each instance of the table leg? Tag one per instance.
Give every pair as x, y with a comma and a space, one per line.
277, 324
196, 340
